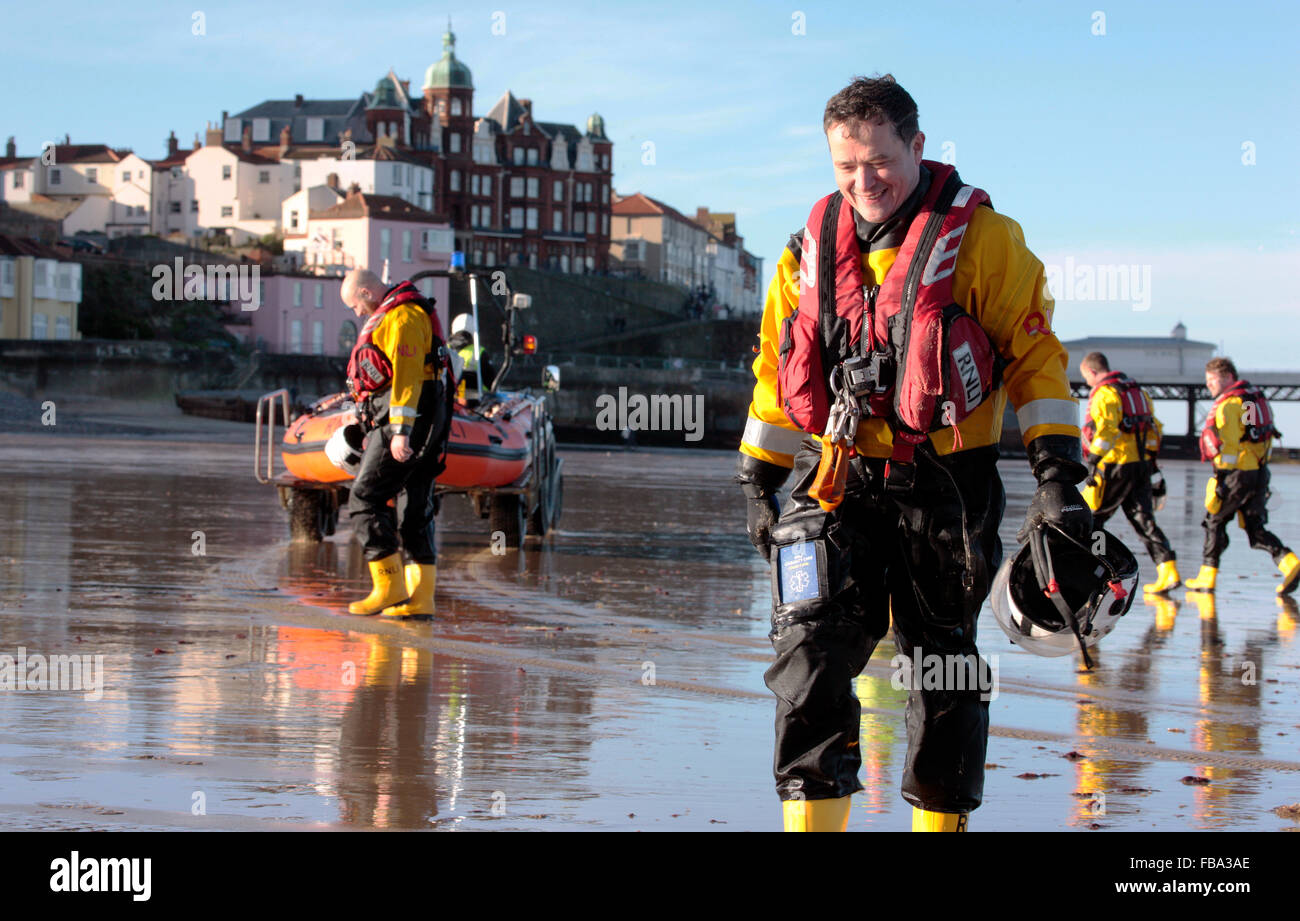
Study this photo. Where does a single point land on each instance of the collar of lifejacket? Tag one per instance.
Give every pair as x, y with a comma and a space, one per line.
1109, 379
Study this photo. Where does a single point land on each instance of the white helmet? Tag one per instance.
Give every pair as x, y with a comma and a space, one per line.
463, 323
1055, 595
344, 448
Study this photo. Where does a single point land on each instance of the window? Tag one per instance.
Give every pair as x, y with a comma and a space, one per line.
604, 225
126, 176
557, 221
604, 161
558, 193
317, 337
385, 239
516, 186
519, 156
92, 174
174, 207
55, 177
297, 294
227, 211
225, 171
62, 328
264, 177
487, 185
293, 220
320, 294
347, 335
533, 190
455, 107
295, 337
473, 184
406, 246
532, 218
532, 156
604, 195
234, 130
579, 222
18, 179
455, 142
176, 173
397, 174
455, 180
38, 325
194, 206
315, 129
516, 218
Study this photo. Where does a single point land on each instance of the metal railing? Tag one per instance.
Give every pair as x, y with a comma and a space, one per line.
267, 402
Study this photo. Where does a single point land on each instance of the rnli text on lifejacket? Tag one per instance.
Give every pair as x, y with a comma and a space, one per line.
658, 412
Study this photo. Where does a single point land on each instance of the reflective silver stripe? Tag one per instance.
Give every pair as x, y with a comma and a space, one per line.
770, 437
1099, 446
1048, 412
401, 412
1228, 458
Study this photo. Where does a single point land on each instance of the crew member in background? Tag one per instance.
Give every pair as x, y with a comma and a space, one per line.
1121, 438
903, 521
397, 375
473, 367
1237, 438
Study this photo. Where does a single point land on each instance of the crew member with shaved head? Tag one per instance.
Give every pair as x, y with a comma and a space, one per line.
901, 319
398, 378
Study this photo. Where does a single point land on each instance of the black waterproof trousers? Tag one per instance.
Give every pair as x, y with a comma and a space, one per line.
1128, 486
381, 478
1243, 493
836, 577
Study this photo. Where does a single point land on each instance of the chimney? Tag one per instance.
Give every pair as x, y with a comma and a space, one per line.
197, 145
285, 139
246, 139
406, 87
67, 139
297, 101
528, 107
354, 190
212, 137
11, 149
172, 144
332, 180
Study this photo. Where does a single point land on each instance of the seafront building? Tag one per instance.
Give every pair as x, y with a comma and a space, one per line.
40, 290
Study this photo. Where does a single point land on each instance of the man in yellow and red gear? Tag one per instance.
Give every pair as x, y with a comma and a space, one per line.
1121, 438
1238, 439
396, 376
896, 510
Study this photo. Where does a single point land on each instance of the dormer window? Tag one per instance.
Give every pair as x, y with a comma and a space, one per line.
315, 129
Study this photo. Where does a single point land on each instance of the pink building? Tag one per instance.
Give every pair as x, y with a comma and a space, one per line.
302, 312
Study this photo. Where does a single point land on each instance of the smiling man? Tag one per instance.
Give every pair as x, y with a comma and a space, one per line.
882, 387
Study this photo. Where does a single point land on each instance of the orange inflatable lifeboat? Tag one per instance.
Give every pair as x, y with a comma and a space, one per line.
487, 448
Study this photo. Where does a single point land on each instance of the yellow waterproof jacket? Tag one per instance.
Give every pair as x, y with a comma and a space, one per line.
1235, 454
1106, 410
405, 335
1001, 284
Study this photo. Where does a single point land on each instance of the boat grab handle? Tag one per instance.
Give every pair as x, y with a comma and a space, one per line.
266, 405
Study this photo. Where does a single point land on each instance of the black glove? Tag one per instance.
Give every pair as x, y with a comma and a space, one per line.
1091, 462
1056, 465
760, 481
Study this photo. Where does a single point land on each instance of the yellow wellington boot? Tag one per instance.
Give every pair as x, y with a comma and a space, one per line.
925, 820
420, 581
388, 589
1166, 578
1290, 569
816, 814
1204, 580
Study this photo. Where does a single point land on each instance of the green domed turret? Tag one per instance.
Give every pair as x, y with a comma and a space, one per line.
384, 96
448, 71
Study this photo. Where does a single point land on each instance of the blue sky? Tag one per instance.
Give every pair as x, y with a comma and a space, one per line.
1122, 148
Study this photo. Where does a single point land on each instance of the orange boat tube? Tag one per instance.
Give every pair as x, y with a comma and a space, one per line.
485, 449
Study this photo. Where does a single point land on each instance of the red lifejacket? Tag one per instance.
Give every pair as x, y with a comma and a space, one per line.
1258, 429
370, 371
943, 364
1138, 417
